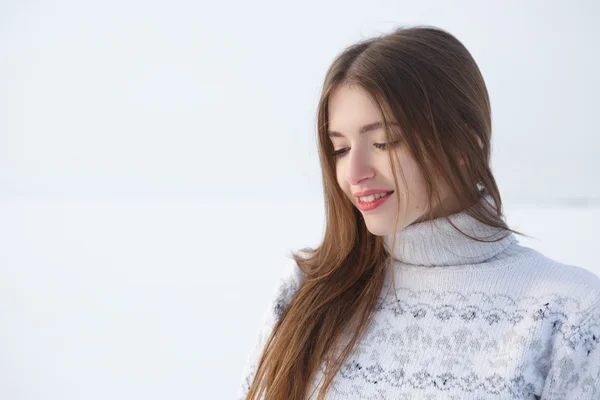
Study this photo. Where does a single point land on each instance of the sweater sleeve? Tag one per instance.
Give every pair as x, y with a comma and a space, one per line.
288, 283
575, 364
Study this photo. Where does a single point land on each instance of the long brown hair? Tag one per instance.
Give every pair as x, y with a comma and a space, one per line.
425, 80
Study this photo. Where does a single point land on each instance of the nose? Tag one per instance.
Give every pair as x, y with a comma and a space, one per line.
359, 167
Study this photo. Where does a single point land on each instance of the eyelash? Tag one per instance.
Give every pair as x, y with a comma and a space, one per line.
382, 146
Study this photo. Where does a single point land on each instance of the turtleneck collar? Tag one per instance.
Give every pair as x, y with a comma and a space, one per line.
437, 243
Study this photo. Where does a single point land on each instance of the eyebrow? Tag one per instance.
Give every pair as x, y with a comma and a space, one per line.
364, 129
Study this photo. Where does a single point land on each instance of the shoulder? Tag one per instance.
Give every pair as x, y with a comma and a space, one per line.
566, 279
291, 272
288, 283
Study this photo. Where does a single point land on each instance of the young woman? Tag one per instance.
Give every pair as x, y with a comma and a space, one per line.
419, 289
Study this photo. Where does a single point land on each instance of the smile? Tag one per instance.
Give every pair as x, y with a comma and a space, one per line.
373, 201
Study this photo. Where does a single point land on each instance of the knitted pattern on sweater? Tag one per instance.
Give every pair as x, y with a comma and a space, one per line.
474, 321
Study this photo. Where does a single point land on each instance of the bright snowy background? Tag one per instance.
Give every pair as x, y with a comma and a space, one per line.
158, 162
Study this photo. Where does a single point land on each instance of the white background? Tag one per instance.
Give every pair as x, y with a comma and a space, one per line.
158, 162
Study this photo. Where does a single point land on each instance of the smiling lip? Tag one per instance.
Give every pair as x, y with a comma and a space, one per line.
366, 206
370, 191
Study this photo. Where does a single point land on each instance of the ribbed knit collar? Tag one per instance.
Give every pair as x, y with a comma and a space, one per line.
437, 243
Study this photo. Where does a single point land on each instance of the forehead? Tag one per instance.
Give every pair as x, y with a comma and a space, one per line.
350, 107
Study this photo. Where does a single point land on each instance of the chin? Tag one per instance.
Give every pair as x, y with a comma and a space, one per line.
379, 230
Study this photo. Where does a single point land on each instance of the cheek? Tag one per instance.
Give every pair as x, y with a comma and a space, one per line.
415, 182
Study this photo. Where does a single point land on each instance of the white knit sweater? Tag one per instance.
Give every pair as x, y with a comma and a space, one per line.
475, 321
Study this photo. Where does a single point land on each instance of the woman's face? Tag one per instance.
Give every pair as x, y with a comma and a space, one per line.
361, 165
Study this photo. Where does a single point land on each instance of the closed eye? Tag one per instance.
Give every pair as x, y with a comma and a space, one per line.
382, 146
